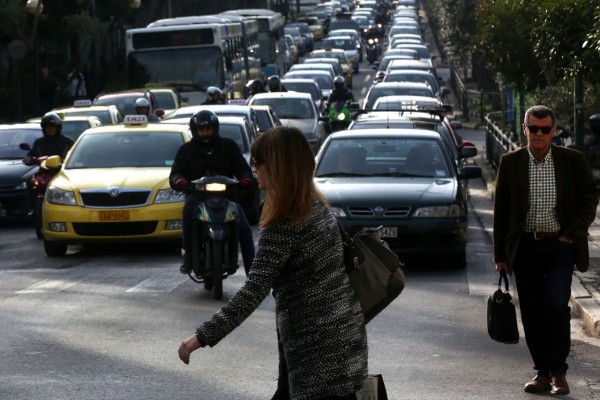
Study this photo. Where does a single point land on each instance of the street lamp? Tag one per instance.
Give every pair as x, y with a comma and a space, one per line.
34, 7
135, 4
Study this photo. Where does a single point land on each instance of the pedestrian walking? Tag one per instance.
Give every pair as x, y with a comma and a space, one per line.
48, 87
320, 327
544, 204
76, 88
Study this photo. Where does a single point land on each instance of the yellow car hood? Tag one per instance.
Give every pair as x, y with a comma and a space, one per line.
94, 178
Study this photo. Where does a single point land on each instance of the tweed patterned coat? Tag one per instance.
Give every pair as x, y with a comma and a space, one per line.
319, 319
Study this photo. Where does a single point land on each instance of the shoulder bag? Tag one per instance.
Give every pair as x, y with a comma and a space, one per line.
501, 314
373, 388
374, 270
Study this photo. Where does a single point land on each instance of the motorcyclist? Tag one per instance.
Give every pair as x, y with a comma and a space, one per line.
275, 85
255, 86
209, 154
214, 96
142, 107
53, 143
339, 93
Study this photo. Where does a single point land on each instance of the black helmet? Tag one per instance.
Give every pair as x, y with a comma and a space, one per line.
205, 118
595, 123
255, 86
339, 82
274, 83
51, 119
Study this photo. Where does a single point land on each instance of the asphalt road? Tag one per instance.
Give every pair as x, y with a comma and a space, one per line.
105, 322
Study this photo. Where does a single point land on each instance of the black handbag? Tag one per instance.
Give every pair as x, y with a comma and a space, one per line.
374, 270
373, 388
501, 314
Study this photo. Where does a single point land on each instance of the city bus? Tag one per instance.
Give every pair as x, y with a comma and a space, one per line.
192, 53
270, 37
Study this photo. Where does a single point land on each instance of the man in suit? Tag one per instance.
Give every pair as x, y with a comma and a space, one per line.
544, 203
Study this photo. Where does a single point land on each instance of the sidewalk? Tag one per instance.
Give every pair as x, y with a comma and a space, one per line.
585, 290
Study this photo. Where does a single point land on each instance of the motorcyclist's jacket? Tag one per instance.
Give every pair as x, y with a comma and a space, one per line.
58, 145
340, 95
196, 159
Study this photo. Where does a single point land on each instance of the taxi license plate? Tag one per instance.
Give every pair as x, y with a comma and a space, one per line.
114, 215
386, 231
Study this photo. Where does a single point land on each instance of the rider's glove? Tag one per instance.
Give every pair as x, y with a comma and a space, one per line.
246, 183
182, 184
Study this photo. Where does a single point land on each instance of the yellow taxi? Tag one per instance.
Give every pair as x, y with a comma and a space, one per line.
341, 56
113, 187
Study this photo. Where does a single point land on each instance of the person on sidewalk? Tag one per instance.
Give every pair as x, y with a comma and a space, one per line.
544, 204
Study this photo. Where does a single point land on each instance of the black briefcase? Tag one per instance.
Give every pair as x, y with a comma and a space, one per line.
501, 314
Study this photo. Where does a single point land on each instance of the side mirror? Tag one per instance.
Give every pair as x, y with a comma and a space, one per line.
25, 146
159, 112
468, 151
53, 162
447, 108
470, 172
456, 124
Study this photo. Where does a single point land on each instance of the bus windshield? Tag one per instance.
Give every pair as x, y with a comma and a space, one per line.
182, 68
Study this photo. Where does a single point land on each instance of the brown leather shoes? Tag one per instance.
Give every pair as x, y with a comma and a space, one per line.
559, 384
539, 384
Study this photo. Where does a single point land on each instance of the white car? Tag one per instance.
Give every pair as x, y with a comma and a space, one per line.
296, 109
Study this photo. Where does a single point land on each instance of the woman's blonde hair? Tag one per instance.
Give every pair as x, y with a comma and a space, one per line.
290, 165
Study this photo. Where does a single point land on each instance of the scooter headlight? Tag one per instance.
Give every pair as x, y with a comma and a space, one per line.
215, 187
341, 117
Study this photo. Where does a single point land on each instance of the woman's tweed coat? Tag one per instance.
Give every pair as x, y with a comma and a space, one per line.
319, 319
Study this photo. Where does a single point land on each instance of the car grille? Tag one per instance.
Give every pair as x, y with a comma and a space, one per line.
115, 228
122, 199
392, 212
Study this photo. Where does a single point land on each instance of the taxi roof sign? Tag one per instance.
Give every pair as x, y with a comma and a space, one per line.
82, 103
135, 119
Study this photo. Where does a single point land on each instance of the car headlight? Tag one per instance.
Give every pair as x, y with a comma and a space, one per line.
337, 212
55, 195
168, 196
453, 211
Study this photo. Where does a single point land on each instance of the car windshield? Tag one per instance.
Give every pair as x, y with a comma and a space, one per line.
10, 139
165, 100
344, 44
104, 116
74, 129
378, 92
323, 80
124, 103
408, 77
125, 149
234, 132
289, 108
397, 157
311, 89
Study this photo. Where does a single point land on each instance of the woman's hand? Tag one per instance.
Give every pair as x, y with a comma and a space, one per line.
187, 347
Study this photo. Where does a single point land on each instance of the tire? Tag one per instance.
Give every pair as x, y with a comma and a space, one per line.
55, 249
38, 218
208, 257
217, 263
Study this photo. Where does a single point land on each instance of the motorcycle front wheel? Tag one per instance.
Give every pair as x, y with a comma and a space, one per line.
217, 265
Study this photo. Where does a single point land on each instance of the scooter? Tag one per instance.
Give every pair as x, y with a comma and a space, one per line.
37, 187
339, 115
372, 50
215, 232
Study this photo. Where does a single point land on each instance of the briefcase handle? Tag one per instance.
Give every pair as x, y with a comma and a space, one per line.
505, 277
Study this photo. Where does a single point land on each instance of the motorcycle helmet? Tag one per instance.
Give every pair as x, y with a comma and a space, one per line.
595, 124
142, 102
214, 93
51, 119
274, 83
255, 86
201, 119
339, 82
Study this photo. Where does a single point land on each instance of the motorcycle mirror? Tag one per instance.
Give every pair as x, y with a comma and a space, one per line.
53, 162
